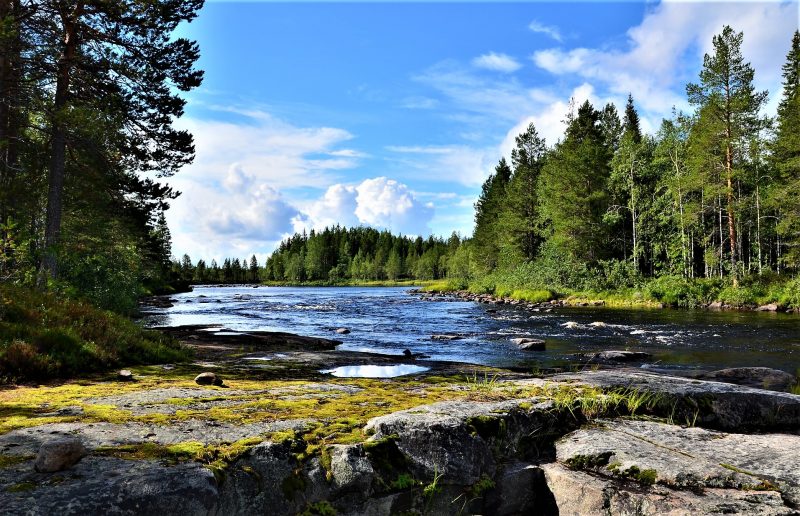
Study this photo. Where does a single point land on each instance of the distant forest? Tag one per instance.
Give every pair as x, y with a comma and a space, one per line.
713, 195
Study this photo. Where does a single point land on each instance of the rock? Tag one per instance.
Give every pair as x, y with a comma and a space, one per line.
350, 469
570, 325
693, 459
208, 378
446, 337
106, 485
529, 344
772, 307
521, 489
577, 493
58, 454
615, 355
716, 305
342, 331
756, 377
125, 375
461, 441
716, 405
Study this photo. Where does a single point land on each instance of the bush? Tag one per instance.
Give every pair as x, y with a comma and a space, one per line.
43, 336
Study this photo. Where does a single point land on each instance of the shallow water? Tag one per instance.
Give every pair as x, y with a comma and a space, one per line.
374, 371
389, 320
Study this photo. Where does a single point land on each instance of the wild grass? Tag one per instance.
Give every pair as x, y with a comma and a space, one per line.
43, 337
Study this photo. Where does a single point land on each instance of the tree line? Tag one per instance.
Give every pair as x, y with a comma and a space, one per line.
88, 94
714, 194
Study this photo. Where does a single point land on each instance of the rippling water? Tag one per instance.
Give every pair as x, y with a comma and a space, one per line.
389, 320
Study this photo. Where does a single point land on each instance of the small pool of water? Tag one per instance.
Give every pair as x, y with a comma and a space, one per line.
374, 371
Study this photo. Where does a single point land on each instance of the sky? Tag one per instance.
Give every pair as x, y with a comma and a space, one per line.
393, 114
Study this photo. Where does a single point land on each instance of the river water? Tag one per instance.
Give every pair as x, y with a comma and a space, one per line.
390, 320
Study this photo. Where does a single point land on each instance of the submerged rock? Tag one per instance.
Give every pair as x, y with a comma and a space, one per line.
529, 344
446, 337
342, 331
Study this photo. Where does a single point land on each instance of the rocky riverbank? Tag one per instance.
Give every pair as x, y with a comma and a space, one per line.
281, 437
546, 306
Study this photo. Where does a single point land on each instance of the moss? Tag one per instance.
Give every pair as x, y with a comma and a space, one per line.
385, 456
322, 508
12, 460
21, 487
484, 484
646, 477
583, 462
293, 484
325, 460
402, 482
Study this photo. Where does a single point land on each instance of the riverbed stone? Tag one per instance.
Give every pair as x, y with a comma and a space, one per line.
756, 377
529, 344
59, 453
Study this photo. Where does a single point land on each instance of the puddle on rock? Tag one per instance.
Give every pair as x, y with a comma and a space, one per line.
374, 371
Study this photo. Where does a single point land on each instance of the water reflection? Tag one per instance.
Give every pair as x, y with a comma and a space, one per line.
374, 371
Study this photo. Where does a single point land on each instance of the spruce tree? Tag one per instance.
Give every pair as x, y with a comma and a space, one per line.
786, 155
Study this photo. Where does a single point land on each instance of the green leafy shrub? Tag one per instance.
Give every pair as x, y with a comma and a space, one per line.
44, 336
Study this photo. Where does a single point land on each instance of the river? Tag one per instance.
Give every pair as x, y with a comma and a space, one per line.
390, 320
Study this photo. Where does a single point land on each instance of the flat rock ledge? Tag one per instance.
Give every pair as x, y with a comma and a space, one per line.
538, 455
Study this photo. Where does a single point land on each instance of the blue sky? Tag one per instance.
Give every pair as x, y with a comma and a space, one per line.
392, 114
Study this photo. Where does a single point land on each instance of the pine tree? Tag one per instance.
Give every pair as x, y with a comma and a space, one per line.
728, 107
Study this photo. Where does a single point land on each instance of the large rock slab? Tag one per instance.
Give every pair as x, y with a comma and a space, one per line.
105, 485
686, 458
717, 405
27, 441
579, 494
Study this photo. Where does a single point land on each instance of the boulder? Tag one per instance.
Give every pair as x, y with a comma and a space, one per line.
771, 307
124, 375
570, 325
756, 377
529, 344
462, 441
208, 378
59, 454
342, 331
350, 469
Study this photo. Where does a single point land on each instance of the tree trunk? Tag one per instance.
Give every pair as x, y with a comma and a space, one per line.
58, 146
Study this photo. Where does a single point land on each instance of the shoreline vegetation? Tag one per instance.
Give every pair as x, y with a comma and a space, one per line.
702, 213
